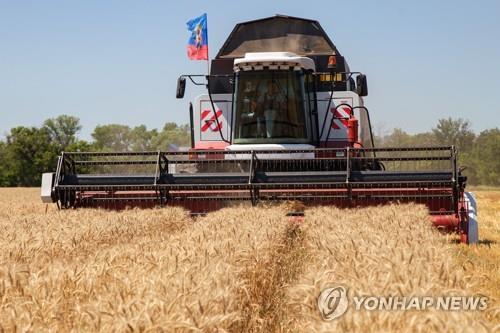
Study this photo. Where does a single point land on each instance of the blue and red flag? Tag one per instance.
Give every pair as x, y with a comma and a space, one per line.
197, 48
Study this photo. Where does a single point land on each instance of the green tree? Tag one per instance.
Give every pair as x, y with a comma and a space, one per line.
483, 159
141, 138
81, 145
116, 137
4, 170
456, 132
113, 137
28, 153
399, 138
425, 139
172, 134
63, 130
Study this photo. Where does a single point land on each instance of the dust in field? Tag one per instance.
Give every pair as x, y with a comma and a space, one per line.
237, 270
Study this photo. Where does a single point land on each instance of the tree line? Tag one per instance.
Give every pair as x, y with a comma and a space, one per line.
477, 154
26, 152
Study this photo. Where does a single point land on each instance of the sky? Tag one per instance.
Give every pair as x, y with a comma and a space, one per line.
118, 61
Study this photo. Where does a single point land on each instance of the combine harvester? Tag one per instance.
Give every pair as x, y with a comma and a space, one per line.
283, 120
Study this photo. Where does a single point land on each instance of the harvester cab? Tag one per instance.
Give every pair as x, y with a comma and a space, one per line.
283, 119
275, 104
279, 83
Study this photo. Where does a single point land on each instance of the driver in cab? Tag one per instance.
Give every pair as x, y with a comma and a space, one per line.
270, 103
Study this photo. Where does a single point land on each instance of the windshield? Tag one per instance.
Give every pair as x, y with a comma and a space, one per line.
270, 107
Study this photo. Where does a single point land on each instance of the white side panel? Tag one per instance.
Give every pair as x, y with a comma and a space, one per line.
271, 146
206, 129
472, 232
338, 130
46, 189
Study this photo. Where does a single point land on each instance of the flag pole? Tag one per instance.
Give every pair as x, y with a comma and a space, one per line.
208, 61
208, 49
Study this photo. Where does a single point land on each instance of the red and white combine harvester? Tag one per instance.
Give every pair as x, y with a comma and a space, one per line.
283, 119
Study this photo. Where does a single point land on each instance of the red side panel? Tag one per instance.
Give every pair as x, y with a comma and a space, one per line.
210, 145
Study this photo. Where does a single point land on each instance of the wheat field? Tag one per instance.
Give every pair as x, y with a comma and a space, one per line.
235, 270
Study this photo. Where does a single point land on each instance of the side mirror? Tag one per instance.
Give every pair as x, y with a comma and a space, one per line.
361, 85
181, 87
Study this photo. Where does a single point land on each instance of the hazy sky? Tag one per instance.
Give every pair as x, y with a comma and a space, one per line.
118, 61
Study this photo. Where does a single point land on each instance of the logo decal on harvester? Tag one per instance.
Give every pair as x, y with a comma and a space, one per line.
209, 122
342, 113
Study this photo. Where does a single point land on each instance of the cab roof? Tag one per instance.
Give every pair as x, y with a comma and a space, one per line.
278, 33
